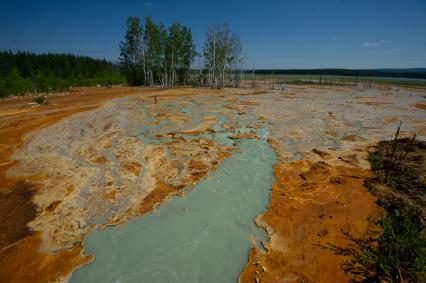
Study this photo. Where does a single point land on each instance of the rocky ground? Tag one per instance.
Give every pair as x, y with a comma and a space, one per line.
75, 170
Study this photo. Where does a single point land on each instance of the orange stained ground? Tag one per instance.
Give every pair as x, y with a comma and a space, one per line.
20, 259
312, 205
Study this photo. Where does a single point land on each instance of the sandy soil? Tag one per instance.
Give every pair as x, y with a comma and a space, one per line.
78, 164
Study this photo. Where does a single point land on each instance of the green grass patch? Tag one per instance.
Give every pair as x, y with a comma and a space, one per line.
395, 249
307, 79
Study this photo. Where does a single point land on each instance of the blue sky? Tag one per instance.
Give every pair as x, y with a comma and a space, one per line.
275, 34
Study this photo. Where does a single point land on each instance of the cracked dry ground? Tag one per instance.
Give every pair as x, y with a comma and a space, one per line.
80, 163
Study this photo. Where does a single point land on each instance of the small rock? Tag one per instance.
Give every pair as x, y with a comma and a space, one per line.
257, 280
263, 269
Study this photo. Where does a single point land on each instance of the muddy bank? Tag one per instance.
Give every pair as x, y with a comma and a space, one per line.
187, 238
20, 259
101, 167
323, 138
312, 204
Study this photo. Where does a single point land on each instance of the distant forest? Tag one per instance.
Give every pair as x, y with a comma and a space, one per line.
24, 72
413, 73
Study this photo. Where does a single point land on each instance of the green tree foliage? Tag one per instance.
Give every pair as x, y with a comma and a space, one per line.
394, 253
161, 56
24, 72
131, 52
181, 52
222, 54
155, 38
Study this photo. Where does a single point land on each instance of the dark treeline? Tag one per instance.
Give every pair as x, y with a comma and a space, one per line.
150, 54
395, 73
24, 72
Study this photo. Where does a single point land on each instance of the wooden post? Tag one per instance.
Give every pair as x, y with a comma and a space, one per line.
395, 141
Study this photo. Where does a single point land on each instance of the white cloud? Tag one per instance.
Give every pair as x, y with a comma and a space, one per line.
369, 44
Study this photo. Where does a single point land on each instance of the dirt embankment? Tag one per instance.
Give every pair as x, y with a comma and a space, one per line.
312, 205
20, 259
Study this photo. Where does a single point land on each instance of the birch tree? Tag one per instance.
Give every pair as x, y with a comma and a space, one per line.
210, 56
154, 38
131, 52
180, 53
237, 61
153, 54
222, 55
187, 55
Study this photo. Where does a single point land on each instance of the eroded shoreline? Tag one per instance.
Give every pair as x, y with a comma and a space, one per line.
21, 261
318, 133
187, 238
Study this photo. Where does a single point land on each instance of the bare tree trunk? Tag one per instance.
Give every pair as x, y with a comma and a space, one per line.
165, 73
199, 70
214, 60
144, 63
253, 80
173, 68
152, 77
224, 77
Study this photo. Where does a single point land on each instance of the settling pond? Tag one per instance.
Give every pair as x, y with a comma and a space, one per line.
204, 236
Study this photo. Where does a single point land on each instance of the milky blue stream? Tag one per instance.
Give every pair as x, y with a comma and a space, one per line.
204, 236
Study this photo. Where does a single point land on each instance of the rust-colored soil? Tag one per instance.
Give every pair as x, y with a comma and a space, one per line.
161, 191
17, 209
421, 105
20, 260
312, 204
23, 262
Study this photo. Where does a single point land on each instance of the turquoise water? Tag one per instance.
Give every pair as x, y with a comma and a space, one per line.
147, 133
204, 236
